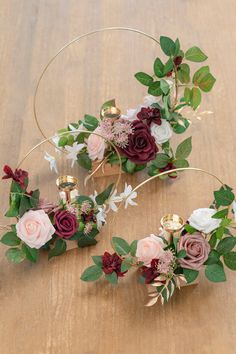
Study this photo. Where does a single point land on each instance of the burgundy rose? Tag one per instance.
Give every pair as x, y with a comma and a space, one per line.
18, 176
141, 147
65, 223
112, 263
197, 250
150, 115
150, 273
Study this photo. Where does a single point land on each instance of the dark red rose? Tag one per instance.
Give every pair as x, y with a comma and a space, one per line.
112, 263
168, 167
150, 273
65, 223
18, 176
141, 147
150, 115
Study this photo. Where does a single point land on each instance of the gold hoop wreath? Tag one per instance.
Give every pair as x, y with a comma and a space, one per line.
74, 220
173, 255
152, 116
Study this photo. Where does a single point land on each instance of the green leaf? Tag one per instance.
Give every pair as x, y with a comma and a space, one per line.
114, 160
196, 97
190, 274
181, 163
190, 230
125, 265
207, 82
59, 248
87, 240
219, 233
84, 161
224, 197
164, 86
213, 258
215, 273
161, 160
181, 254
168, 66
97, 260
179, 123
133, 248
15, 255
31, 253
230, 260
226, 245
155, 89
213, 240
184, 73
120, 245
91, 273
130, 166
177, 47
10, 239
34, 199
225, 222
158, 68
195, 54
220, 214
90, 122
145, 79
102, 197
112, 278
167, 45
184, 149
25, 205
199, 74
187, 94
63, 141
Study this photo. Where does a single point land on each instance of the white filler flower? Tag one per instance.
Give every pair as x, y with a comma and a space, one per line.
128, 195
52, 162
73, 152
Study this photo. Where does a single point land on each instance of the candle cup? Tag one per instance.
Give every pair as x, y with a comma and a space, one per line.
68, 188
111, 112
172, 224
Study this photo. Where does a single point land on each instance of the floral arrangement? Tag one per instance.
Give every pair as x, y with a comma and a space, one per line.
167, 260
143, 135
48, 226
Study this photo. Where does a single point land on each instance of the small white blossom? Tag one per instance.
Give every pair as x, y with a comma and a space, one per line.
93, 197
234, 209
73, 151
101, 217
128, 195
76, 131
114, 198
52, 162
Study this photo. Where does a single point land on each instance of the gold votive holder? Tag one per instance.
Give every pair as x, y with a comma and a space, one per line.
68, 188
171, 224
111, 112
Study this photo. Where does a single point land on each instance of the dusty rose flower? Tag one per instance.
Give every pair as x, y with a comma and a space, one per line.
197, 250
35, 228
141, 146
149, 248
65, 223
96, 145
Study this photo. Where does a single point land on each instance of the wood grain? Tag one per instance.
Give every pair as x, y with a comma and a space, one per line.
45, 308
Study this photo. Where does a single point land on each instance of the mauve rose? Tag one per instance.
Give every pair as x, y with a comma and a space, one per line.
197, 250
141, 146
96, 145
65, 223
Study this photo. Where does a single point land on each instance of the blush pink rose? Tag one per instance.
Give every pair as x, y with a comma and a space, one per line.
149, 248
35, 228
96, 145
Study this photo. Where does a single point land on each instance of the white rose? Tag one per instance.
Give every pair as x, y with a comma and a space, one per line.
201, 219
161, 133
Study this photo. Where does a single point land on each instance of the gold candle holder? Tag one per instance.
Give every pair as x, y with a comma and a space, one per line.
68, 188
172, 224
111, 112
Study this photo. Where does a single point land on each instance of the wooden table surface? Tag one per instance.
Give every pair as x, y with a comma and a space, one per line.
45, 308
